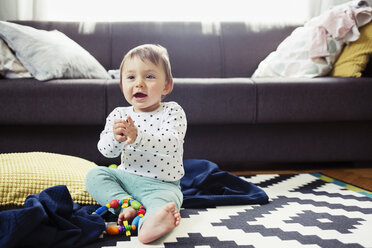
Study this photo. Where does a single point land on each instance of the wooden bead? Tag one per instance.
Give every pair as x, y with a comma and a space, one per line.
135, 204
112, 230
114, 203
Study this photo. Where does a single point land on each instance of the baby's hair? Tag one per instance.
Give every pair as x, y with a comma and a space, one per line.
152, 52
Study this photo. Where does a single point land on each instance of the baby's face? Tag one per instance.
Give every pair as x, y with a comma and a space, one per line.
144, 84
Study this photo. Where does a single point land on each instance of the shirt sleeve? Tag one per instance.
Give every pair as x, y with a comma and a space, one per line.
107, 144
170, 136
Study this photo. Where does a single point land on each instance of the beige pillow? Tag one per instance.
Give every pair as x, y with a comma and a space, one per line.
23, 174
10, 66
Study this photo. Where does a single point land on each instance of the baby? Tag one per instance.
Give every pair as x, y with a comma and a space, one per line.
149, 136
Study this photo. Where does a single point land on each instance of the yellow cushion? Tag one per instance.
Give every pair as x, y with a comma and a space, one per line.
355, 56
23, 174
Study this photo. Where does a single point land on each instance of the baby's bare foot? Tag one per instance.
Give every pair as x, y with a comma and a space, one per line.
162, 222
128, 214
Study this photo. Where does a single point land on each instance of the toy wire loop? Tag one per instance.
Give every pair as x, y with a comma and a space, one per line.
126, 202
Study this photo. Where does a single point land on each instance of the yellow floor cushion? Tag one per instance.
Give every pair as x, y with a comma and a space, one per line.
23, 174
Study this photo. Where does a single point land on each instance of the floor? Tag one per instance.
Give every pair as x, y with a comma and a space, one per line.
361, 177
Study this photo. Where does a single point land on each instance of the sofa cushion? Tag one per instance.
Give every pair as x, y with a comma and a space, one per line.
243, 49
205, 101
193, 47
54, 102
23, 174
313, 100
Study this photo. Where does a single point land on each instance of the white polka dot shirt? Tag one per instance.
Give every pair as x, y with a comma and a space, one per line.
158, 150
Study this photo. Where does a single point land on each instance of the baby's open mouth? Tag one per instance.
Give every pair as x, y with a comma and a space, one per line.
140, 95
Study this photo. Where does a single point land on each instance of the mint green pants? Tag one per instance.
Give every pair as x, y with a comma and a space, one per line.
106, 184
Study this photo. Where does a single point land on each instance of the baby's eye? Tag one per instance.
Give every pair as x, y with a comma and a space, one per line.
150, 77
130, 77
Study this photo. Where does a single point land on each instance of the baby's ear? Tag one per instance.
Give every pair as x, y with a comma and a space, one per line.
168, 87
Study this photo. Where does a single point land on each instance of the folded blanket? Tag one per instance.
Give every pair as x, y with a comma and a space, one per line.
49, 219
205, 185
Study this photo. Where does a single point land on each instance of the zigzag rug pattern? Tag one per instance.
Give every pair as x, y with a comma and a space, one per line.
305, 210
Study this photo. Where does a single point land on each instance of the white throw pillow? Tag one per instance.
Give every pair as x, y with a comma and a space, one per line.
50, 54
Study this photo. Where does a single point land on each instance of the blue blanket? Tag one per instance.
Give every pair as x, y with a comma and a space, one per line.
205, 185
49, 219
52, 219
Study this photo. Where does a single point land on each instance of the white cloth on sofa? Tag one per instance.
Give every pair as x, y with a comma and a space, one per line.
311, 50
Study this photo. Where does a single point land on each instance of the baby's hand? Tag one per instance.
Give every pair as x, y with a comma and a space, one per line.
119, 130
128, 214
130, 131
121, 218
125, 131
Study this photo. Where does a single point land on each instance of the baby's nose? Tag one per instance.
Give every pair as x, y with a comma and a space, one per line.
140, 83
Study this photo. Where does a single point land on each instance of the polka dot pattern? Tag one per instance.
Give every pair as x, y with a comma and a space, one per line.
158, 150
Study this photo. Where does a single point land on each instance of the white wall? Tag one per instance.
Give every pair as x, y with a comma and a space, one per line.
267, 11
16, 9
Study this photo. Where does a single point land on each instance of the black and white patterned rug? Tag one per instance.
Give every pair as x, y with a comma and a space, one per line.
305, 210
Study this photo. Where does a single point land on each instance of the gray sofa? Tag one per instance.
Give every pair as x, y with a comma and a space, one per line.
236, 121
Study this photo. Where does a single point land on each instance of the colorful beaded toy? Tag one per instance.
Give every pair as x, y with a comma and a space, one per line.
114, 230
